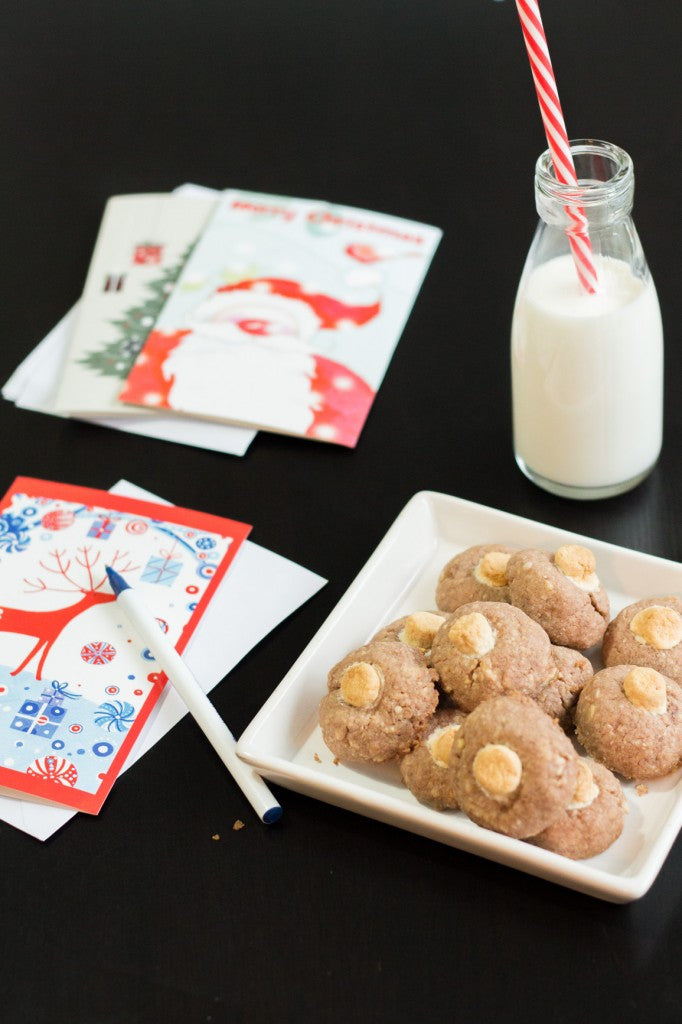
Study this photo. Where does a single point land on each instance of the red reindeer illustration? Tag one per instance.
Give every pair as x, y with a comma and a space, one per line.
46, 626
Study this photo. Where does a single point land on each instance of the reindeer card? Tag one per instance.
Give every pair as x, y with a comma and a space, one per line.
76, 683
284, 317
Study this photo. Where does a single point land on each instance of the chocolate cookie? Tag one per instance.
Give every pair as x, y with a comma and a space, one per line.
559, 695
426, 771
562, 592
593, 819
487, 648
477, 574
648, 632
629, 717
380, 698
516, 770
416, 630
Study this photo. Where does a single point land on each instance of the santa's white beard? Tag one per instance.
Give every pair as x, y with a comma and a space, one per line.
260, 380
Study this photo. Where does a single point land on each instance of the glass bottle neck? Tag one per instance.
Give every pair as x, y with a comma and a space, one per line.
605, 190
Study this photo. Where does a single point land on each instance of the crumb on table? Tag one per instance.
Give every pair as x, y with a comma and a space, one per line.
237, 825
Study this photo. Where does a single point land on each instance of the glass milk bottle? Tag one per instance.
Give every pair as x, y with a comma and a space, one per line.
587, 369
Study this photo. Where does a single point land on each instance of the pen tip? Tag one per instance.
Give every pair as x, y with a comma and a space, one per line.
117, 582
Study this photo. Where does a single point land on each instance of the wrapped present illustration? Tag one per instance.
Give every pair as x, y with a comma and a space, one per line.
161, 569
52, 695
40, 717
102, 528
147, 253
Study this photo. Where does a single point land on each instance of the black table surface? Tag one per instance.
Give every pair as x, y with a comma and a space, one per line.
422, 110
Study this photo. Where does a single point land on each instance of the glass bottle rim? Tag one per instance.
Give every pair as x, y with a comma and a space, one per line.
616, 182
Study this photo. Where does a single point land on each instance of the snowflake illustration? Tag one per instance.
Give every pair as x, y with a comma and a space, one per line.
98, 652
13, 533
118, 715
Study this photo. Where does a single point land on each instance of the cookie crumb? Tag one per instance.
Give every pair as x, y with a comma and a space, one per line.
336, 760
215, 837
641, 789
237, 825
316, 757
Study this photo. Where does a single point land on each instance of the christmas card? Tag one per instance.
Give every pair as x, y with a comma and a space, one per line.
142, 245
260, 590
33, 386
77, 685
284, 317
35, 383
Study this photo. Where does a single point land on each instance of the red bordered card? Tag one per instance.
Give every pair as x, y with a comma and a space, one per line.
76, 684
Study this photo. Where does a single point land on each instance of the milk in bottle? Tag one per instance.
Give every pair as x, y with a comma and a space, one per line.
587, 369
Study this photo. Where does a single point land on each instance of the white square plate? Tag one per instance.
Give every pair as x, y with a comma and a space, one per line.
285, 744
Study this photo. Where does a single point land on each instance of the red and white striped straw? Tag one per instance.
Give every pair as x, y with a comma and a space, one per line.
557, 139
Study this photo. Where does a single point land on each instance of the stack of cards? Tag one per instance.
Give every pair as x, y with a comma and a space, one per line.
78, 687
205, 317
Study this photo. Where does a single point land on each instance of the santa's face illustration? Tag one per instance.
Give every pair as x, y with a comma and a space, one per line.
257, 314
247, 355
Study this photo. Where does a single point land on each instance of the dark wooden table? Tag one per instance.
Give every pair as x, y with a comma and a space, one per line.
423, 110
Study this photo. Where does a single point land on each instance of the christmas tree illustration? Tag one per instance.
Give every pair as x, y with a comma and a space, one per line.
116, 358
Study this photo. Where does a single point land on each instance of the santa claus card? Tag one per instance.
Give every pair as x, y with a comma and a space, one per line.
142, 245
284, 317
76, 683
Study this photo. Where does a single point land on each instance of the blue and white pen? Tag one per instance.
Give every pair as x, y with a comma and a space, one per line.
198, 704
